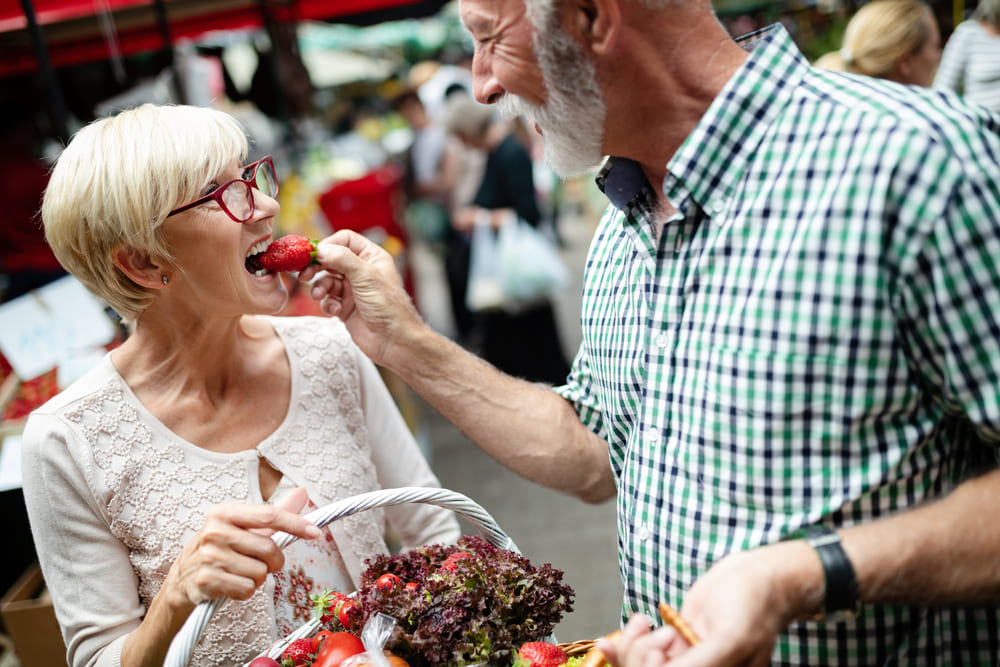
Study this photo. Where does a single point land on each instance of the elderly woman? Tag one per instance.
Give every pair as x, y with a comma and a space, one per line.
970, 64
898, 40
153, 482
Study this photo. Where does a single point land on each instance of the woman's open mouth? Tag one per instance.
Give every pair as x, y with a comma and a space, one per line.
252, 261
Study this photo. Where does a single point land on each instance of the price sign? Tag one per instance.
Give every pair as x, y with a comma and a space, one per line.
59, 321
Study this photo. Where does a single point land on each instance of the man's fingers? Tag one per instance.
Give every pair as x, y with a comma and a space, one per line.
356, 243
346, 252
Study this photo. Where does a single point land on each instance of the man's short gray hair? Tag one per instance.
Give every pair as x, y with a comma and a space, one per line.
540, 12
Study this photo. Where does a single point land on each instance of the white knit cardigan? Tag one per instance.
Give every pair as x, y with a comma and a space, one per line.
113, 495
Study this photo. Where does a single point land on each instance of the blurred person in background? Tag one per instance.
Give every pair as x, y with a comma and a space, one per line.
787, 374
153, 482
970, 64
897, 40
434, 166
524, 343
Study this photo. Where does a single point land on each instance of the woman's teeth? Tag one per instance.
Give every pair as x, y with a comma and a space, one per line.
252, 263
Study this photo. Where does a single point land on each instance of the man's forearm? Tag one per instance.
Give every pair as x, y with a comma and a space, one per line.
945, 552
526, 427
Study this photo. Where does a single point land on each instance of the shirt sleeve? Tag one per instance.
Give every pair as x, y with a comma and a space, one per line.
399, 462
951, 70
579, 391
950, 287
86, 568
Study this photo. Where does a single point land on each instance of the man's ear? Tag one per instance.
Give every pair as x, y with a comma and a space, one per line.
139, 266
595, 23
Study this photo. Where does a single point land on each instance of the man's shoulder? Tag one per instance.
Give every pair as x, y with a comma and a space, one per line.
866, 106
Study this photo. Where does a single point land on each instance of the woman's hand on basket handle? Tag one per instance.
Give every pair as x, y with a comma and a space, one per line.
233, 552
230, 556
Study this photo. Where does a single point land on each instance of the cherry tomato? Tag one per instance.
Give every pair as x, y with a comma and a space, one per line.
344, 615
449, 564
319, 637
412, 585
336, 648
387, 582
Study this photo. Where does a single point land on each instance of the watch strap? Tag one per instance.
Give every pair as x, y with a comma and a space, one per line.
841, 596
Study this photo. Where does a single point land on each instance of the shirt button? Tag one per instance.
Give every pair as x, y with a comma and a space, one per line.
643, 533
717, 206
662, 340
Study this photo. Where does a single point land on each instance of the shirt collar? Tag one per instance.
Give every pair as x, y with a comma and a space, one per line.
714, 156
711, 161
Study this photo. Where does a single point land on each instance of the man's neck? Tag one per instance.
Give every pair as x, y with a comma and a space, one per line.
662, 212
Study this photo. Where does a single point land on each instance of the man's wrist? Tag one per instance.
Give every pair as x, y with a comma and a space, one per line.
840, 597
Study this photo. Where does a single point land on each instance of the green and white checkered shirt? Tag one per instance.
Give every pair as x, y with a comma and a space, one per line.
814, 337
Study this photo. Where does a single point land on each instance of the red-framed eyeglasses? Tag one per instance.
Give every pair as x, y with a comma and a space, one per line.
236, 196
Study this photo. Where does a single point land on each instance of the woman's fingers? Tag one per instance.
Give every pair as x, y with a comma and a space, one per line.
233, 552
266, 518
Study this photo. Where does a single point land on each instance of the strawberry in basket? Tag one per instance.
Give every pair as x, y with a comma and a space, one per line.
299, 653
288, 254
540, 654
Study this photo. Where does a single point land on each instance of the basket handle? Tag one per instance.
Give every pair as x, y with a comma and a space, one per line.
184, 642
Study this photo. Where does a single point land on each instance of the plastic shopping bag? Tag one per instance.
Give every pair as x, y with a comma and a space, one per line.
374, 636
485, 287
531, 267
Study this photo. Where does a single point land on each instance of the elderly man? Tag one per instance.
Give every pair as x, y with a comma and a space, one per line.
791, 322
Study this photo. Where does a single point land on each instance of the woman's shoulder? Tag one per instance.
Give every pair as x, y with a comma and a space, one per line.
309, 327
93, 398
95, 381
970, 29
315, 339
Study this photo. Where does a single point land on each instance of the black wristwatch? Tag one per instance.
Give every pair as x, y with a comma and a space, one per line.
841, 598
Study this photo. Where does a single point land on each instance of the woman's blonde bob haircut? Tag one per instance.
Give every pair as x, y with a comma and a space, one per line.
882, 33
114, 184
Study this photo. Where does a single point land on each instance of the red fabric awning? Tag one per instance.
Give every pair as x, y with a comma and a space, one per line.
73, 33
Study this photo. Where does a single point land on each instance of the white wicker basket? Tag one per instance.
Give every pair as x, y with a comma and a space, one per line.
183, 644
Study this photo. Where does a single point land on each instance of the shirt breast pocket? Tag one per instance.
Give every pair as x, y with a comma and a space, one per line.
775, 423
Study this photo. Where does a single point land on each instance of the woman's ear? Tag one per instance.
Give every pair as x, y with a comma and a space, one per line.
140, 267
596, 23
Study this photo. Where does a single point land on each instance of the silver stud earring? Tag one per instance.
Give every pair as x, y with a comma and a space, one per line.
164, 279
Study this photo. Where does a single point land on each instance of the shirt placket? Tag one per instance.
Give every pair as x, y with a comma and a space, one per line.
651, 452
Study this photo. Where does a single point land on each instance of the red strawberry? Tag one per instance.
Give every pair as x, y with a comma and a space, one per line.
542, 654
449, 563
289, 253
299, 652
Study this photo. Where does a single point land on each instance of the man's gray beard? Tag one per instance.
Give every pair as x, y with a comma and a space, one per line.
572, 118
